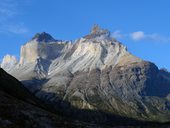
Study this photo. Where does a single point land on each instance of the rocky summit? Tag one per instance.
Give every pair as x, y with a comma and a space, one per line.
94, 73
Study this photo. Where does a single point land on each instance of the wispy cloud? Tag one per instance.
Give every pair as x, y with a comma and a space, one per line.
16, 29
140, 35
6, 12
9, 10
117, 34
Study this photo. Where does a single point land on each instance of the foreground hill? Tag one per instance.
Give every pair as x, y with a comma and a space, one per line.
19, 109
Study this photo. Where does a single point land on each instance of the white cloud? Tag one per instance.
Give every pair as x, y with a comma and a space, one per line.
139, 35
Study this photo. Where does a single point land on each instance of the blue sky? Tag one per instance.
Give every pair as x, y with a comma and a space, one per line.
142, 25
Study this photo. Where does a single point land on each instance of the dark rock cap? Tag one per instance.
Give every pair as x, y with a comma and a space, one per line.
43, 37
97, 31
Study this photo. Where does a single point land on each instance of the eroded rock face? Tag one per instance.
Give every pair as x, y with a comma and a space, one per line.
95, 72
41, 46
134, 90
8, 62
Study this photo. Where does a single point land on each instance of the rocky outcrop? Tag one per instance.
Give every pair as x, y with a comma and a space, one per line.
8, 62
96, 73
43, 37
97, 32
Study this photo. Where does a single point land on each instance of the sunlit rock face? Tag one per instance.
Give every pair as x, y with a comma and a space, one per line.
95, 72
8, 62
40, 46
97, 50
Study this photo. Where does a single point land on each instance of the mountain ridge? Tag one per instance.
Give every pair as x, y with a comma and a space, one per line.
96, 72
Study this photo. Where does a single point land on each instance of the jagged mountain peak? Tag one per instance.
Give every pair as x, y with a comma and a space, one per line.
96, 29
98, 32
43, 37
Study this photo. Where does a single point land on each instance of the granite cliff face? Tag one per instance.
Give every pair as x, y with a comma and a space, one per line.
95, 72
40, 46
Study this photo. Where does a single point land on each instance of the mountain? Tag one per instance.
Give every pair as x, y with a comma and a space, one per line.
95, 73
